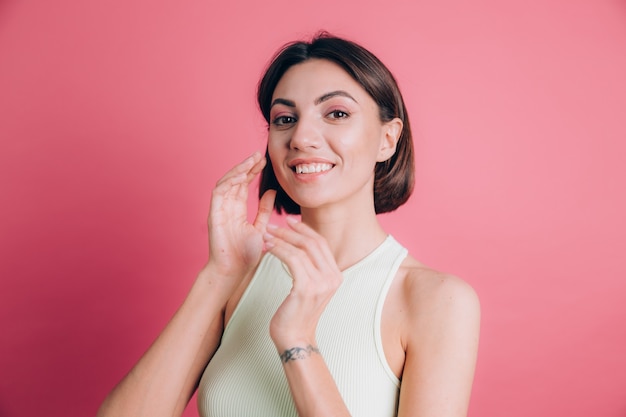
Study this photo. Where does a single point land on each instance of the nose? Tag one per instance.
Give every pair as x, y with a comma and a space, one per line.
305, 135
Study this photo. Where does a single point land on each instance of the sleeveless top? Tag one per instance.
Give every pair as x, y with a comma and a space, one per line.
245, 377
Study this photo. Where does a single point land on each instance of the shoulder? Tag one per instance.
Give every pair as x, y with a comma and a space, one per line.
439, 332
424, 285
433, 301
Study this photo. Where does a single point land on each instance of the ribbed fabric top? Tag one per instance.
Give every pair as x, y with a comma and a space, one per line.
245, 376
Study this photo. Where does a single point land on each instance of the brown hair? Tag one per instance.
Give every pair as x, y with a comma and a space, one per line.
393, 179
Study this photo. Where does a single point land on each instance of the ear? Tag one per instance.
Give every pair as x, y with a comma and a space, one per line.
391, 131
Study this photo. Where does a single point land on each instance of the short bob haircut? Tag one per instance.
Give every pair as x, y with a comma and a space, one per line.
394, 178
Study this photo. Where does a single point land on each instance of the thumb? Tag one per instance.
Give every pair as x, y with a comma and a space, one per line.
266, 205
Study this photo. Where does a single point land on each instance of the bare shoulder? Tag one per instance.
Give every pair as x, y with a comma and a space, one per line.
426, 286
438, 330
432, 298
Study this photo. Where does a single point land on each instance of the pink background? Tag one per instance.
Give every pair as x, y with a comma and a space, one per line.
117, 117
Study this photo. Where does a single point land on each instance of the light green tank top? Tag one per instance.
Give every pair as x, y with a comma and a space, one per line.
245, 378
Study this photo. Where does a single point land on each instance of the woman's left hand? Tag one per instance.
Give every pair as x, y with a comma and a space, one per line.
316, 278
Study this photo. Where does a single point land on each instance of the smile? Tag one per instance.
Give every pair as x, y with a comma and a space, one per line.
311, 168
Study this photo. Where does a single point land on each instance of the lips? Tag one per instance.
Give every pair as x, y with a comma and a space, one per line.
310, 165
312, 168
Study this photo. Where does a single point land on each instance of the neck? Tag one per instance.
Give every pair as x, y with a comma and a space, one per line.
351, 234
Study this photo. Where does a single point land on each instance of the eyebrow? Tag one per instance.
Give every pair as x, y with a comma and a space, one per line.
319, 100
338, 93
288, 103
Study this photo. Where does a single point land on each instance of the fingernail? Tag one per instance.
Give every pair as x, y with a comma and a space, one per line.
292, 220
267, 236
269, 245
272, 226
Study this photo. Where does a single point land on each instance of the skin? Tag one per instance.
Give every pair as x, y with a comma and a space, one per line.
430, 320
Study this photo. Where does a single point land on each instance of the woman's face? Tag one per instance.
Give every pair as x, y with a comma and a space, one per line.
326, 136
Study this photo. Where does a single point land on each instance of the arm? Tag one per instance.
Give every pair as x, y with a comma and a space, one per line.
166, 376
316, 278
164, 379
441, 347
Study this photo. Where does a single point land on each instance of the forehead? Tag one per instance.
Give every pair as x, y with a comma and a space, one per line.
315, 77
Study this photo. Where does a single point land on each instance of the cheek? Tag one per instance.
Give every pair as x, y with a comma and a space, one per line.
361, 143
276, 156
276, 141
273, 152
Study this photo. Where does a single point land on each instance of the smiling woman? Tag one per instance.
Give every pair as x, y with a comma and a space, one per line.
328, 121
329, 315
394, 177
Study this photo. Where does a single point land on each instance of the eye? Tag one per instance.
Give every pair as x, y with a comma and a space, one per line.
283, 120
338, 114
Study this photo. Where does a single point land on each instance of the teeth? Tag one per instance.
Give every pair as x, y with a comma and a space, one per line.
312, 168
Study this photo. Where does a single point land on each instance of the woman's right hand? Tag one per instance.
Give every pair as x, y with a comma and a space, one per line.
161, 383
236, 245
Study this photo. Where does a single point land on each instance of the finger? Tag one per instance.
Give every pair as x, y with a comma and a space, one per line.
242, 168
295, 224
266, 205
313, 247
257, 167
251, 175
293, 257
234, 184
308, 280
305, 230
225, 189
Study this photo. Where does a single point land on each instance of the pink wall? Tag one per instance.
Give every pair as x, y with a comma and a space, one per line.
117, 117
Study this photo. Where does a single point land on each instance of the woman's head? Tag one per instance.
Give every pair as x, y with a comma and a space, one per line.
393, 178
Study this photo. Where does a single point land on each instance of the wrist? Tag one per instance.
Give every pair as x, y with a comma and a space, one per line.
298, 352
218, 280
292, 341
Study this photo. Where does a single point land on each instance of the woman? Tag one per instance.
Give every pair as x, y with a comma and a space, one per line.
328, 316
